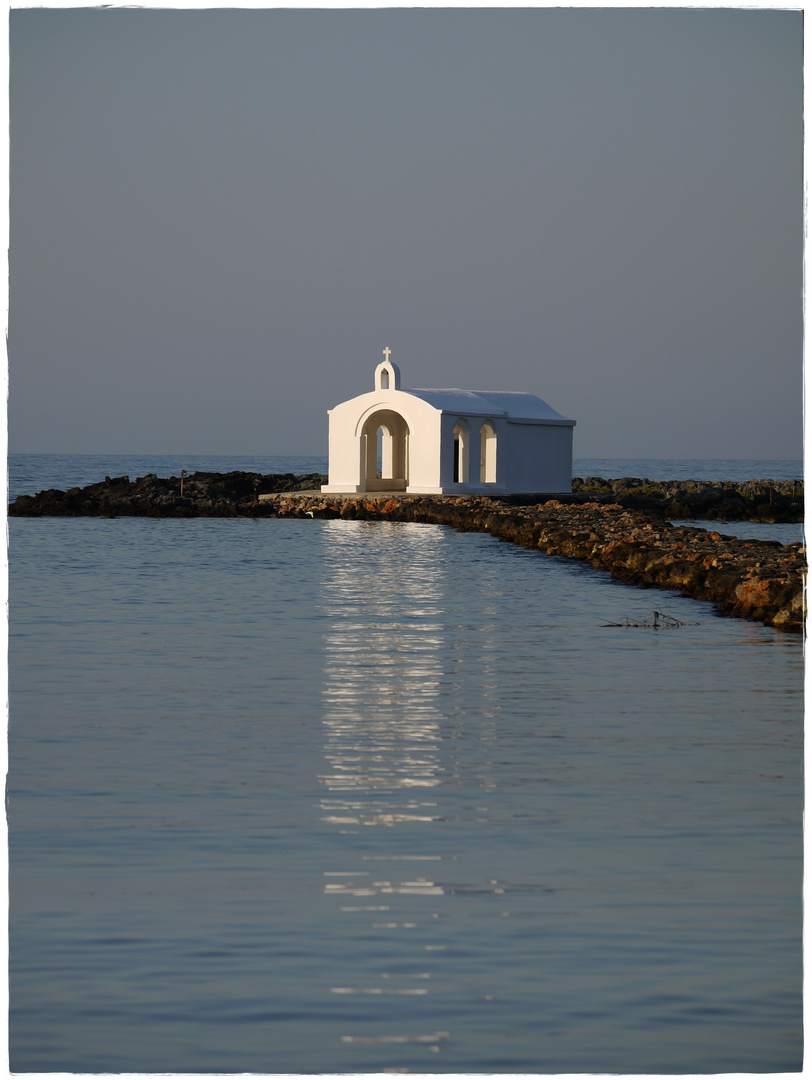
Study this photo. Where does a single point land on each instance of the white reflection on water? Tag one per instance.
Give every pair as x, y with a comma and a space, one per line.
383, 674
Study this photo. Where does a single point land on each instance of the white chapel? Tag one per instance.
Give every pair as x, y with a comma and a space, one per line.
447, 442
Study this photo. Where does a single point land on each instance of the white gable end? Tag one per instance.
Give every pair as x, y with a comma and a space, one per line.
447, 441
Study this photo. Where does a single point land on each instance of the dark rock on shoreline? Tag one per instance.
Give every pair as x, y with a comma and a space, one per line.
622, 526
203, 494
711, 500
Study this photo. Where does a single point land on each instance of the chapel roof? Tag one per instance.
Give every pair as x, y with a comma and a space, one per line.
514, 406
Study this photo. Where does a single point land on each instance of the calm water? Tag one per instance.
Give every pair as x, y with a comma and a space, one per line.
324, 796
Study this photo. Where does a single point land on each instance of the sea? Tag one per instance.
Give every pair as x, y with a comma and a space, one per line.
323, 796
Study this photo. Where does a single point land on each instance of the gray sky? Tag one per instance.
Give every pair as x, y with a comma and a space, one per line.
220, 218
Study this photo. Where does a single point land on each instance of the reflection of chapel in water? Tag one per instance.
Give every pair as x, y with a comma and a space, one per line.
382, 671
389, 657
447, 441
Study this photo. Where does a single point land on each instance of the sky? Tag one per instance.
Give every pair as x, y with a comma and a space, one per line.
220, 218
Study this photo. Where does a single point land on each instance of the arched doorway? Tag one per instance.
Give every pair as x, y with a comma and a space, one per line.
461, 451
487, 454
385, 451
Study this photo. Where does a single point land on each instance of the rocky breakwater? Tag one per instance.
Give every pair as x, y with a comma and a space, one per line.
704, 500
203, 494
751, 579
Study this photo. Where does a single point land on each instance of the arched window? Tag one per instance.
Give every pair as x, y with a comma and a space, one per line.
461, 447
384, 379
487, 454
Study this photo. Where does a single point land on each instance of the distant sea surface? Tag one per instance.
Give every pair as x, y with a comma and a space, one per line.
333, 796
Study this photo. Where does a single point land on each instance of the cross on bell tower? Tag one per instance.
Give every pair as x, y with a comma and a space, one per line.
387, 375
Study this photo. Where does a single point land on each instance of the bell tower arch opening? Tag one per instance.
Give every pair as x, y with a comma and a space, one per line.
387, 373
